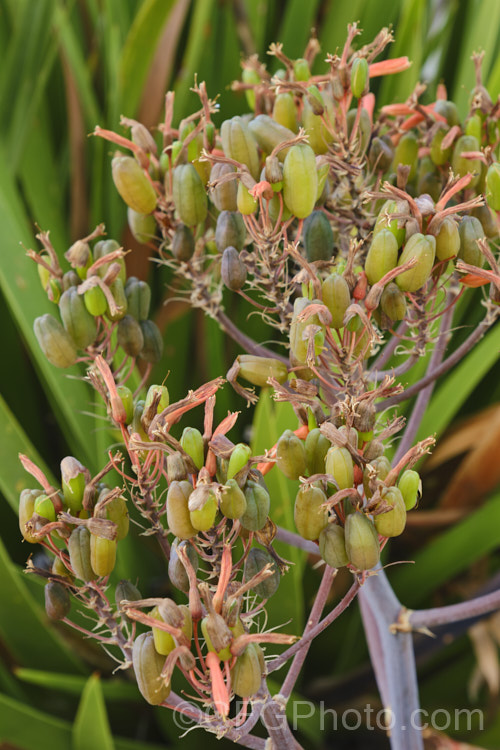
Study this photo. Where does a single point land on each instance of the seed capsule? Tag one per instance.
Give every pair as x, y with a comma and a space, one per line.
336, 297
301, 70
239, 458
447, 239
246, 675
73, 483
76, 319
239, 144
410, 486
382, 467
256, 560
153, 342
382, 256
298, 344
176, 570
138, 295
462, 166
381, 153
183, 244
396, 226
393, 522
332, 546
189, 195
79, 554
120, 310
130, 336
218, 637
270, 133
314, 110
339, 464
233, 502
233, 271
309, 514
224, 195
316, 447
95, 301
148, 665
229, 231
133, 185
125, 590
202, 516
44, 507
142, 226
423, 248
192, 443
258, 504
246, 203
393, 302
104, 247
291, 455
57, 601
364, 129
257, 370
407, 153
318, 237
359, 77
26, 509
300, 180
164, 642
439, 155
102, 554
470, 231
488, 221
116, 510
449, 110
178, 517
55, 342
361, 541
284, 112
493, 186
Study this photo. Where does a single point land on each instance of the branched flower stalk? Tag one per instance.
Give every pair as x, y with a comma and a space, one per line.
341, 227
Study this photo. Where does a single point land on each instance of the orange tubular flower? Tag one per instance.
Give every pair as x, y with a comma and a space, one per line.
387, 67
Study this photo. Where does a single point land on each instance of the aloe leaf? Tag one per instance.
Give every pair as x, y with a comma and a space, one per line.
25, 726
91, 728
113, 689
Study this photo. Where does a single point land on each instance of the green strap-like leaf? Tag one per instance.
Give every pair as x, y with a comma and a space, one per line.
91, 728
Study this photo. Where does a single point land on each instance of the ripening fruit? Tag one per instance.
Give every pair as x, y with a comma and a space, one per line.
423, 248
316, 447
339, 464
102, 554
493, 186
318, 237
300, 180
233, 502
239, 144
258, 505
189, 195
336, 297
410, 486
246, 675
309, 514
148, 665
470, 230
382, 256
447, 239
462, 166
393, 522
133, 185
361, 541
256, 560
257, 370
79, 554
291, 455
332, 546
178, 516
54, 341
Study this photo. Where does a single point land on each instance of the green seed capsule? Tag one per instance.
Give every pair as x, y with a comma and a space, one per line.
447, 239
239, 144
488, 221
153, 342
336, 297
44, 507
142, 226
126, 591
130, 336
338, 463
301, 70
233, 503
284, 111
382, 256
233, 271
258, 505
245, 202
393, 522
116, 510
381, 154
95, 301
164, 642
474, 126
138, 295
239, 458
382, 466
176, 570
300, 180
256, 560
27, 500
316, 447
54, 341
57, 601
393, 302
364, 129
449, 110
332, 546
396, 226
189, 195
318, 237
309, 514
133, 185
76, 319
320, 136
224, 195
73, 483
298, 344
410, 486
493, 186
257, 370
229, 231
178, 517
148, 665
104, 247
407, 153
422, 247
291, 455
192, 443
183, 245
439, 155
218, 637
118, 291
203, 518
269, 133
246, 675
462, 166
79, 554
359, 77
249, 75
361, 541
155, 391
470, 231
102, 554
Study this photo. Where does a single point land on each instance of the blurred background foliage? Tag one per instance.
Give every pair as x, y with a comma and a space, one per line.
68, 65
